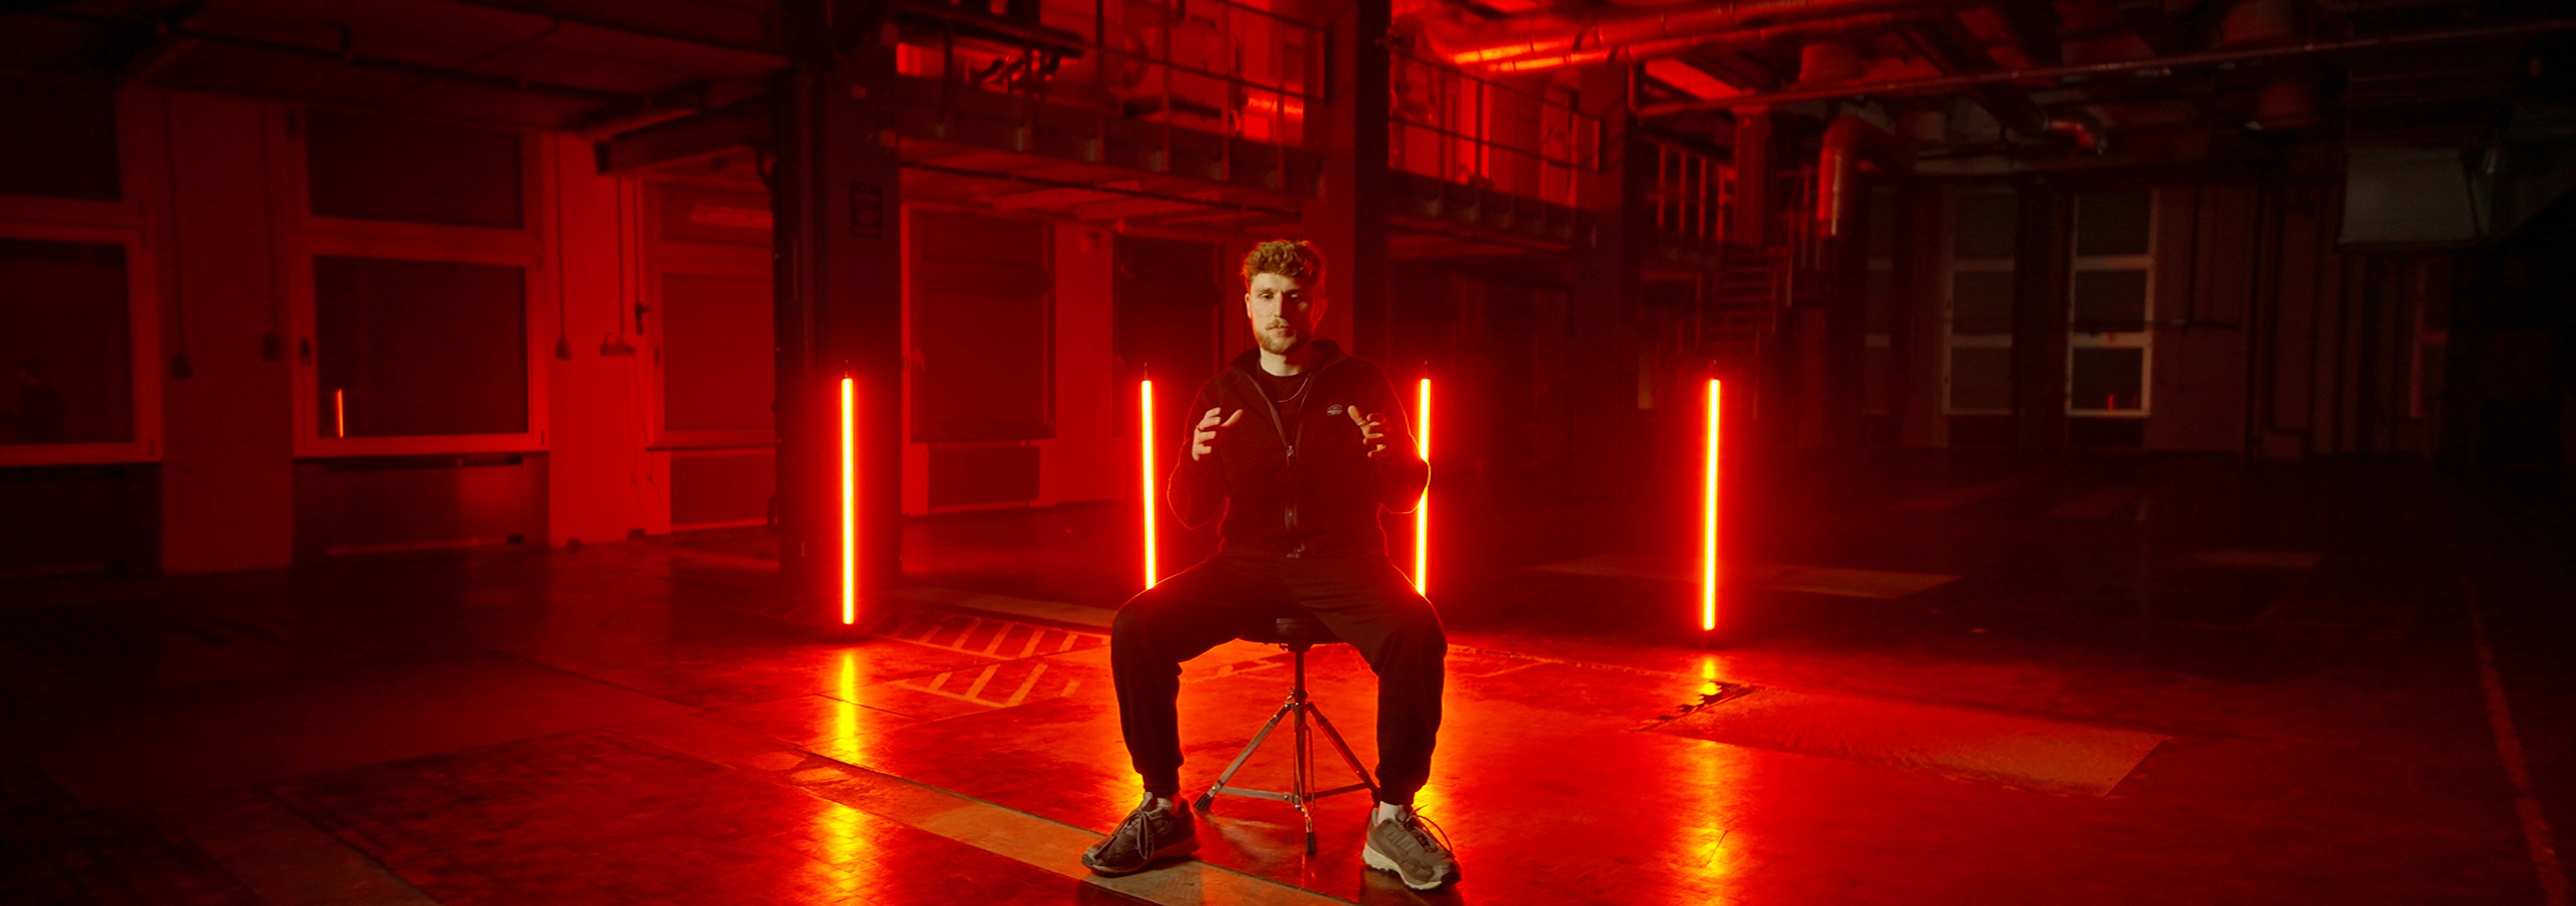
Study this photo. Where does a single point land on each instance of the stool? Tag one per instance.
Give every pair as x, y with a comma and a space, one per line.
1295, 633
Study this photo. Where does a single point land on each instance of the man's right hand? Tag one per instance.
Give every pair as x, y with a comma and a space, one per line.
1203, 442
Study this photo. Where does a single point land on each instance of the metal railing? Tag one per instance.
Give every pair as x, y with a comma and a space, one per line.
1208, 65
1694, 193
1462, 128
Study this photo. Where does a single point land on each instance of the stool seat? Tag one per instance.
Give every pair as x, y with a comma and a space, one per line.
1296, 631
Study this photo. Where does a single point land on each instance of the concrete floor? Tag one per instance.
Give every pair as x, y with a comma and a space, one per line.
1948, 679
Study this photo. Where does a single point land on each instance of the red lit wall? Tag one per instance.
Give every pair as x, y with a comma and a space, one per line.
604, 482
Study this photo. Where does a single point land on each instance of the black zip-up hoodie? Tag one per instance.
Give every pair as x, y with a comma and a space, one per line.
1302, 489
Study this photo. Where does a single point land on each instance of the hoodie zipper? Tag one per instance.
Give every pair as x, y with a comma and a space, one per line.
1290, 442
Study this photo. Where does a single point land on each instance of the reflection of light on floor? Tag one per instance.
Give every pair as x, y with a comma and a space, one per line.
852, 850
1707, 832
846, 744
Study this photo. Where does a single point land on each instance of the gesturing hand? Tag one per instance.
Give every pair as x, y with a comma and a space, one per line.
1203, 442
1372, 431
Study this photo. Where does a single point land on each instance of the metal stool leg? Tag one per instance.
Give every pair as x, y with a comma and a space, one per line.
1302, 792
1366, 782
1208, 800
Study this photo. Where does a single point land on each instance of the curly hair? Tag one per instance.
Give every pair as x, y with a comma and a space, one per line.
1292, 258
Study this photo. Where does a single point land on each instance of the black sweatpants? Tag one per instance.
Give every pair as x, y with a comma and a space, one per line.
1365, 601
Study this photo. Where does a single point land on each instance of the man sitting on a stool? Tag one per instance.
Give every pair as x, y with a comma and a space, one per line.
1299, 445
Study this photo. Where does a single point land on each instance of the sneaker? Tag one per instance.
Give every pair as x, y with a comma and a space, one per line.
1404, 846
1150, 834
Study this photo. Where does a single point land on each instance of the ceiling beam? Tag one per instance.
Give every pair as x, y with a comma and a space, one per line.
741, 126
2147, 20
2034, 29
749, 42
361, 61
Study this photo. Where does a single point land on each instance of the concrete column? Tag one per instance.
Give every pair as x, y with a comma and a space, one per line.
1610, 448
2042, 257
228, 427
1750, 223
1349, 221
836, 197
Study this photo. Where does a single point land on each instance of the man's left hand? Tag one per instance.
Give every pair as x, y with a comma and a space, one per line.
1372, 431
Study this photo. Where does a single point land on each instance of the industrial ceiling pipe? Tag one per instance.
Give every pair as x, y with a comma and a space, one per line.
1852, 28
1943, 84
1849, 142
2084, 131
1600, 38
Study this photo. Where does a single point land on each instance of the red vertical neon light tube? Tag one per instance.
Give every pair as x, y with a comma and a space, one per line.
1422, 508
339, 414
1708, 520
849, 501
1145, 451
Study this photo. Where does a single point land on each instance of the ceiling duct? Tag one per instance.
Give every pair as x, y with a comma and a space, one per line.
1625, 34
1851, 142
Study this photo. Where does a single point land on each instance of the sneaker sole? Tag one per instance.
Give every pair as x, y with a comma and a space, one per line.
1169, 852
1369, 855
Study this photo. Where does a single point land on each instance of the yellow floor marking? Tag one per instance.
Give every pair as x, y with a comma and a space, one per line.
1006, 605
1050, 845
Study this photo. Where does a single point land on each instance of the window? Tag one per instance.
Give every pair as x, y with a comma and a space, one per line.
66, 325
711, 327
715, 340
1880, 307
2112, 283
418, 279
79, 324
1978, 287
411, 348
982, 329
74, 155
717, 368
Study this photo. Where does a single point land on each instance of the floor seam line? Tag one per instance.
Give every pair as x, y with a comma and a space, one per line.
2508, 742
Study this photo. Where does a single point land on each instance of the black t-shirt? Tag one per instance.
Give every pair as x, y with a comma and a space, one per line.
1288, 393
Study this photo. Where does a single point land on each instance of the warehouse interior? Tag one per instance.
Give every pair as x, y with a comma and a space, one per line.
692, 450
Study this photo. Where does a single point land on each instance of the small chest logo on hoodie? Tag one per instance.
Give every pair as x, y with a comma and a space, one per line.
1334, 409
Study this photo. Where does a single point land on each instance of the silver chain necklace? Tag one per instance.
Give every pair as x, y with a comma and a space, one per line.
1301, 389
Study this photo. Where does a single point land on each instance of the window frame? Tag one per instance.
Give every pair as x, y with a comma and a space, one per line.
664, 258
2142, 339
1951, 266
312, 236
137, 222
143, 323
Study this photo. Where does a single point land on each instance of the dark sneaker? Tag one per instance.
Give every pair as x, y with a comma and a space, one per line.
1404, 846
1149, 835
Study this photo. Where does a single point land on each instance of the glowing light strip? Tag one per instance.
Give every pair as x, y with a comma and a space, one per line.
1422, 508
1145, 447
849, 501
339, 413
1708, 520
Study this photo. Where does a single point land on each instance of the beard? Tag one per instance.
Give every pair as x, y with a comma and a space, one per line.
1275, 344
